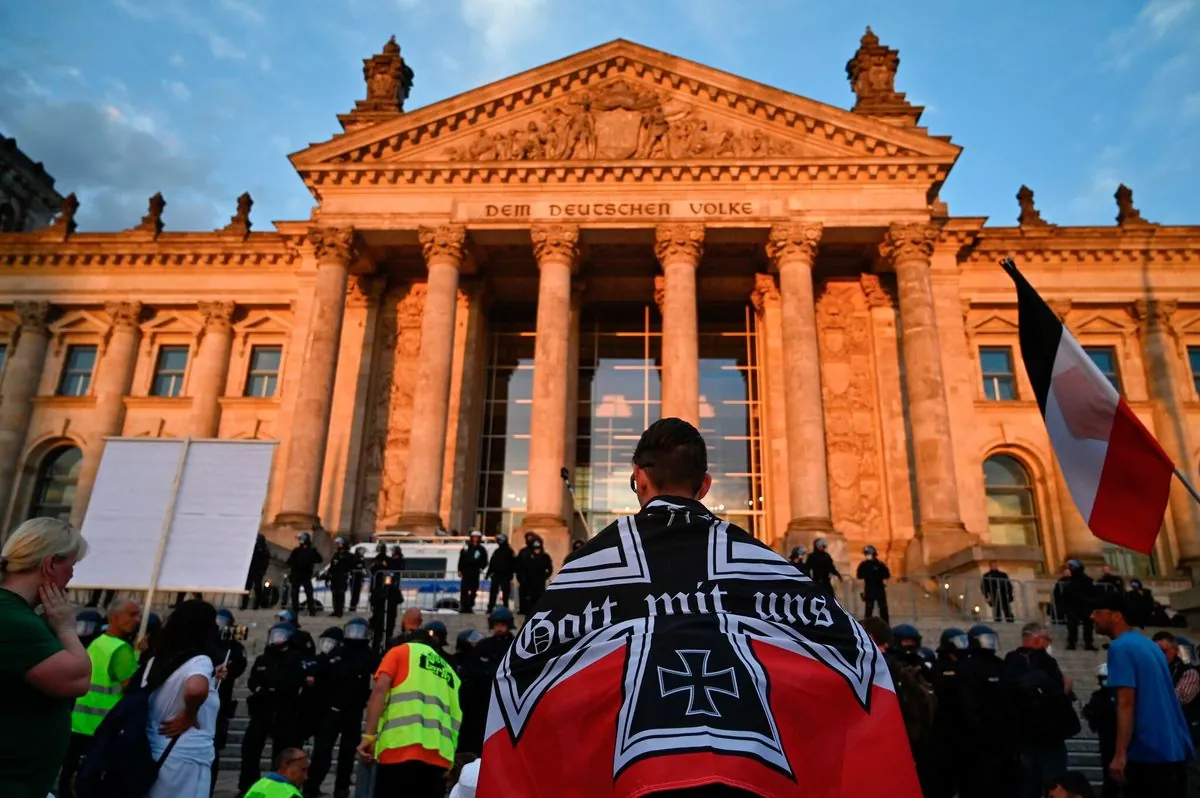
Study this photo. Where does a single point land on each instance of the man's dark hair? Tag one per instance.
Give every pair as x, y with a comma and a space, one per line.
1075, 783
1163, 635
878, 629
674, 453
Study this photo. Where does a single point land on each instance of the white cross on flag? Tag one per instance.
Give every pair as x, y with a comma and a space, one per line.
1118, 475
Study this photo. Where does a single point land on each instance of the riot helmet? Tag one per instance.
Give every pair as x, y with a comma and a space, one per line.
286, 616
1135, 584
501, 538
501, 615
225, 618
984, 637
153, 624
467, 639
819, 544
304, 537
927, 656
797, 552
436, 633
331, 640
1075, 565
280, 635
906, 636
88, 623
475, 535
356, 630
340, 542
870, 551
954, 638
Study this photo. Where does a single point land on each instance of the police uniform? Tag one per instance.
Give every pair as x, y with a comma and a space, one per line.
344, 678
340, 566
233, 655
385, 596
276, 681
471, 560
874, 573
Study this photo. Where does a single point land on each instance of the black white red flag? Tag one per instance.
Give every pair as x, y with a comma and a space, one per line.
675, 650
1118, 475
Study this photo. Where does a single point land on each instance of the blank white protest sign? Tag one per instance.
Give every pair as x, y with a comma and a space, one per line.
216, 516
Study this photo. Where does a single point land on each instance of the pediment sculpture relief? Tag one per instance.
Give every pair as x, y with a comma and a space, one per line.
620, 121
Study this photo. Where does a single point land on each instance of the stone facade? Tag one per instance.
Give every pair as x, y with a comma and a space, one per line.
27, 196
359, 338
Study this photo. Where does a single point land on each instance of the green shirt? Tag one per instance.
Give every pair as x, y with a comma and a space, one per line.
34, 727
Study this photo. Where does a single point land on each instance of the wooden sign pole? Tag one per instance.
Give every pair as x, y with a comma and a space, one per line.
166, 533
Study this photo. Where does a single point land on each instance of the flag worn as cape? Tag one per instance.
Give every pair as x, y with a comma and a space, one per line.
675, 650
1116, 472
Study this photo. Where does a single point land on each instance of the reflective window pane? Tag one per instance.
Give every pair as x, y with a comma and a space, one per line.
263, 378
1105, 358
76, 377
1012, 510
54, 489
169, 371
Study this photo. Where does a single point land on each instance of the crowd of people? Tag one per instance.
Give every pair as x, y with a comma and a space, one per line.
93, 708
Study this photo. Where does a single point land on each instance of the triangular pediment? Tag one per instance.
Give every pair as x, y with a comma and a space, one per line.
995, 324
622, 102
1100, 324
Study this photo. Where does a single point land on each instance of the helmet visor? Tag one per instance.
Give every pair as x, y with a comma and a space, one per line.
961, 642
327, 645
356, 631
988, 642
85, 628
278, 637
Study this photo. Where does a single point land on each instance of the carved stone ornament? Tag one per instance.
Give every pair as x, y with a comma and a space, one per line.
125, 315
388, 79
411, 308
1127, 215
558, 241
239, 223
64, 223
660, 291
876, 294
334, 244
217, 314
679, 241
907, 241
1029, 216
363, 289
618, 121
33, 315
1061, 307
872, 74
1156, 314
446, 242
152, 222
765, 293
795, 241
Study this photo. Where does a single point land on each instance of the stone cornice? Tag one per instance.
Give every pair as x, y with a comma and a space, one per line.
109, 250
1090, 246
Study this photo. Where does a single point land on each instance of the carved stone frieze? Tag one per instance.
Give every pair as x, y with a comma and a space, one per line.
125, 315
557, 241
1156, 314
338, 244
363, 289
877, 295
766, 292
33, 316
621, 120
855, 459
412, 306
660, 291
217, 314
679, 241
906, 241
797, 240
445, 242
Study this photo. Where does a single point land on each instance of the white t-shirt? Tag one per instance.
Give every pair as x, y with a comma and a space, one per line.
196, 744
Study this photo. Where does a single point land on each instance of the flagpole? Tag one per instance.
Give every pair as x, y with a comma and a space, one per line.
1188, 485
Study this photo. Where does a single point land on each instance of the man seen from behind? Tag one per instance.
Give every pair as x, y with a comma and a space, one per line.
291, 771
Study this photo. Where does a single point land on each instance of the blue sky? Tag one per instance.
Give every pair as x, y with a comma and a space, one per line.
203, 99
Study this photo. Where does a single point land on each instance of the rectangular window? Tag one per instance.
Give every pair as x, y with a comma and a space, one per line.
77, 371
263, 379
996, 363
1105, 358
169, 371
1194, 362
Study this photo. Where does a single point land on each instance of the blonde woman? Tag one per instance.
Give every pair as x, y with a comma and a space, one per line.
43, 666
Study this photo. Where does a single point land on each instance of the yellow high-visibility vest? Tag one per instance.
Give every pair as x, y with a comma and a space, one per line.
104, 693
423, 709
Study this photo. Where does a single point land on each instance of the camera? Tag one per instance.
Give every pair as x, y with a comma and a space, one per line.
239, 633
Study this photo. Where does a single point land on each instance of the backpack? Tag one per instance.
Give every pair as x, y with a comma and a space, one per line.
118, 762
918, 702
1042, 707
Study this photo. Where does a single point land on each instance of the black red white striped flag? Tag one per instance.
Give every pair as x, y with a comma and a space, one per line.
1117, 473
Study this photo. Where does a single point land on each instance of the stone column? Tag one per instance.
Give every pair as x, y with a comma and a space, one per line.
444, 251
940, 530
792, 249
113, 379
21, 376
556, 248
773, 391
211, 369
679, 247
1078, 542
1163, 378
334, 249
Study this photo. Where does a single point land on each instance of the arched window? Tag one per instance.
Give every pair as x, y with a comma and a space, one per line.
54, 491
1012, 511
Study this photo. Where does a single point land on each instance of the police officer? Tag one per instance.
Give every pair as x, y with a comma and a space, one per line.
301, 563
874, 574
990, 759
385, 594
492, 648
232, 654
997, 590
88, 623
340, 565
260, 560
276, 681
1078, 594
471, 560
500, 571
534, 568
820, 566
344, 675
358, 575
796, 558
474, 692
949, 720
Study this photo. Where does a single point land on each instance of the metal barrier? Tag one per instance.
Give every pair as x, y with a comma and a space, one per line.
961, 598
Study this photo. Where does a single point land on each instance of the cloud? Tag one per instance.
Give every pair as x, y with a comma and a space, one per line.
125, 157
218, 44
247, 13
1157, 20
177, 60
1159, 16
178, 89
503, 24
1096, 194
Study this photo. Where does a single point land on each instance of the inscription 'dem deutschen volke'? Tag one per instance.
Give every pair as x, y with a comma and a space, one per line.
624, 210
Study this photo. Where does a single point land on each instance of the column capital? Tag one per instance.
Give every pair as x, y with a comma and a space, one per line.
555, 242
765, 293
446, 242
660, 291
679, 242
1156, 314
125, 315
217, 314
33, 315
877, 295
337, 244
909, 241
794, 241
